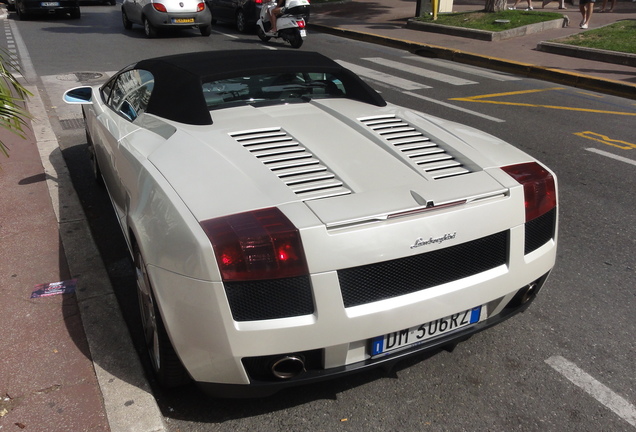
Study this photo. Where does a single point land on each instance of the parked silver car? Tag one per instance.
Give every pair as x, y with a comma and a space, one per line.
155, 15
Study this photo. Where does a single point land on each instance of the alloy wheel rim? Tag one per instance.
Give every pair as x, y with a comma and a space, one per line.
148, 315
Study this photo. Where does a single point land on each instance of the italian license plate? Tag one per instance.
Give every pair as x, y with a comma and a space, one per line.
49, 4
182, 20
303, 33
419, 334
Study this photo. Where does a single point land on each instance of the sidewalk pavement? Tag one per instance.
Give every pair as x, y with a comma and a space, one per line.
385, 22
58, 368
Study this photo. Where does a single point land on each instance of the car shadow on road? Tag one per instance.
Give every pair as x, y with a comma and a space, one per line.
191, 404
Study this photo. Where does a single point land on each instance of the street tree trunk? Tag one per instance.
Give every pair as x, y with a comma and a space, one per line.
495, 5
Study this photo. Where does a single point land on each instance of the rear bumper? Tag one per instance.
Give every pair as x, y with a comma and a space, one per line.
267, 387
38, 7
172, 20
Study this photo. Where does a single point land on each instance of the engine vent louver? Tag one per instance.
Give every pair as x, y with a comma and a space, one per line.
300, 170
419, 149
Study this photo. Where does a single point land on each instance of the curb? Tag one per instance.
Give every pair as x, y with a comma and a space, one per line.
588, 53
415, 24
128, 401
611, 87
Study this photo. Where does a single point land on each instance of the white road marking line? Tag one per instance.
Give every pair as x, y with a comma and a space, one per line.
612, 156
597, 390
382, 77
447, 105
225, 34
425, 73
497, 76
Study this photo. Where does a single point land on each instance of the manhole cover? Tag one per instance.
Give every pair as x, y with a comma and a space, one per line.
87, 76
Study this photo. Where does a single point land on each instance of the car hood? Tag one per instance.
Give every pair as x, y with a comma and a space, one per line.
346, 161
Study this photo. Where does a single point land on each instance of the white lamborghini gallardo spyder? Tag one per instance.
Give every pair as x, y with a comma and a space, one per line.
287, 225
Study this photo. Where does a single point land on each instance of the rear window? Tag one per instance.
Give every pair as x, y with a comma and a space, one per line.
272, 89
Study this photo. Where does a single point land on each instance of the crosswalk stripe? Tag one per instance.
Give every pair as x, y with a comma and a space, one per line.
426, 73
447, 64
382, 77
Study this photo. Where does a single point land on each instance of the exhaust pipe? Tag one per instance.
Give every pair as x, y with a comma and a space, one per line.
529, 291
288, 367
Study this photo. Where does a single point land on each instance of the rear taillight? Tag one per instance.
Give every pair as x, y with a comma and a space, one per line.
261, 244
258, 1
201, 7
301, 24
159, 7
538, 187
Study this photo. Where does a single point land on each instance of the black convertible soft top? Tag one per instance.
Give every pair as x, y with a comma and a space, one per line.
178, 95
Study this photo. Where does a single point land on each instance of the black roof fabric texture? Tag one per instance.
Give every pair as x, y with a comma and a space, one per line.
177, 94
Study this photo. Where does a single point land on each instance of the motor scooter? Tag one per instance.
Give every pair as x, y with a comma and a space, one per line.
290, 24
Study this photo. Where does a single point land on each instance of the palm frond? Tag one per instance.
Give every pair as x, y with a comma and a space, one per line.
13, 95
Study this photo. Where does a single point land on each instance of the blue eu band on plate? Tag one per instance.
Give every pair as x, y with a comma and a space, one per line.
419, 334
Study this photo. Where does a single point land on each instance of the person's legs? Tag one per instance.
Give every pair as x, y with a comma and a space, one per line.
582, 9
587, 10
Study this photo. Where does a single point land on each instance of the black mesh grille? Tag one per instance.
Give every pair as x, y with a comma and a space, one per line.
539, 231
270, 299
370, 283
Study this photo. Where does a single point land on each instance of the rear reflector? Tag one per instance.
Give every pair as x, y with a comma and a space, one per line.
538, 187
261, 244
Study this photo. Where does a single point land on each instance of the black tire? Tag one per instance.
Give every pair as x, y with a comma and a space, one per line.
296, 40
124, 18
22, 15
261, 34
149, 29
205, 30
76, 14
166, 365
97, 172
241, 21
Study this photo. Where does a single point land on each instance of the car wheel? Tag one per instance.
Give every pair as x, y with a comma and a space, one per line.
76, 13
165, 363
205, 30
124, 18
241, 21
97, 172
21, 11
149, 29
261, 34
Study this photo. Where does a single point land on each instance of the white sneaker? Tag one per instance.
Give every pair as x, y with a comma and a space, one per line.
583, 26
271, 33
530, 8
514, 8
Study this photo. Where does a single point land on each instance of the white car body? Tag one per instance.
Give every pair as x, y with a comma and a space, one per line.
390, 241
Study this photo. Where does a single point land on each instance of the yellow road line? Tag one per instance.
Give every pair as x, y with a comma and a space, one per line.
606, 140
481, 98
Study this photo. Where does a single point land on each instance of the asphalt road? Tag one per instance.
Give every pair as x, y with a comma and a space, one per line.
567, 364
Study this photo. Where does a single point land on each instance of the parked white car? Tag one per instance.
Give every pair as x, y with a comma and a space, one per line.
288, 225
157, 15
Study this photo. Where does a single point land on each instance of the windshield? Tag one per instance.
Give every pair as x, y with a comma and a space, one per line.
272, 89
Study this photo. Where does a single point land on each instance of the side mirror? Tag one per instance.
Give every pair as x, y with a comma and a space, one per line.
79, 95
